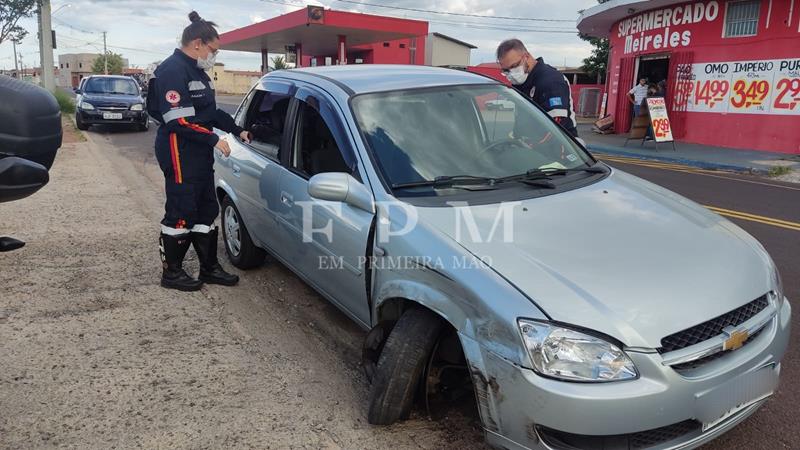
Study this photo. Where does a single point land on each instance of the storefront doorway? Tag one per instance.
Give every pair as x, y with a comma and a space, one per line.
654, 68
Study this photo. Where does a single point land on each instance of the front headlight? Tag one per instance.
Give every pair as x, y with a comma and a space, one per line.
86, 106
777, 284
570, 355
136, 107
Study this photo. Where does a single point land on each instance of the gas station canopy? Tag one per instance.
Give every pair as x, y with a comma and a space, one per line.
319, 32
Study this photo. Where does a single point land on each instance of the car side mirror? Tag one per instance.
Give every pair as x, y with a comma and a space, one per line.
77, 91
341, 187
20, 178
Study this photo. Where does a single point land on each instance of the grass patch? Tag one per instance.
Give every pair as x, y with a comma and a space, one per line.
779, 170
65, 102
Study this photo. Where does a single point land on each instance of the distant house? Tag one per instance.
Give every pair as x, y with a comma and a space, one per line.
232, 81
75, 66
442, 50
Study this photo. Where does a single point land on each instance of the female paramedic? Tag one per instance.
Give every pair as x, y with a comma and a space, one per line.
181, 98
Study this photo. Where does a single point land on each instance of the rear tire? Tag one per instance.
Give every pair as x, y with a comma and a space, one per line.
401, 365
240, 248
79, 123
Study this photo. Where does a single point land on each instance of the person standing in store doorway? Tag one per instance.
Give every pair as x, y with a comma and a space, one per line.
545, 85
637, 94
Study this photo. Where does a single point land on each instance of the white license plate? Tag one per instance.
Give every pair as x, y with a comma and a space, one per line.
722, 402
112, 116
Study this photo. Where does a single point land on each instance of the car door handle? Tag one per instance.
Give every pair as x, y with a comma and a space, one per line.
237, 171
287, 199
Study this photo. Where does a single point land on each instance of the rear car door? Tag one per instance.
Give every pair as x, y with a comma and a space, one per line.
253, 170
334, 262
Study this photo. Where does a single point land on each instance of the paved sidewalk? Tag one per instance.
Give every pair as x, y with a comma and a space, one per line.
703, 156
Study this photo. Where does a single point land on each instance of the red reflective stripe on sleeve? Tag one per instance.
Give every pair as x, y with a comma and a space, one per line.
176, 157
194, 126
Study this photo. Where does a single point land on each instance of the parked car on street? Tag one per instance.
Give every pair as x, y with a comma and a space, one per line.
110, 100
581, 306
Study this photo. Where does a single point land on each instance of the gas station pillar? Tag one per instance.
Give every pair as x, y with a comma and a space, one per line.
342, 50
299, 54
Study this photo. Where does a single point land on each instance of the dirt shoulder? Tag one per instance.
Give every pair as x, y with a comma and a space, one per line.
96, 355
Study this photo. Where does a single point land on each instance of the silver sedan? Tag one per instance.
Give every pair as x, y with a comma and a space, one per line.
489, 255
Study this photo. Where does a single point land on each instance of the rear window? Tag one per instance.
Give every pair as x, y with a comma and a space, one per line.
111, 86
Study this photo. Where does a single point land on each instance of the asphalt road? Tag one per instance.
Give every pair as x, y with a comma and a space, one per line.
768, 210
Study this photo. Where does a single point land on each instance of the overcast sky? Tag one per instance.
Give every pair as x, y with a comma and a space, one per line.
145, 31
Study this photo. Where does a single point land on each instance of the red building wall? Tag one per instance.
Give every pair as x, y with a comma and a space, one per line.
397, 52
737, 92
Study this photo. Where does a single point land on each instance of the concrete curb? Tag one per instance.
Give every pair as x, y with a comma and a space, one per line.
611, 150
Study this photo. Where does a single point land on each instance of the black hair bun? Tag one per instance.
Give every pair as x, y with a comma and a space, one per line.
194, 17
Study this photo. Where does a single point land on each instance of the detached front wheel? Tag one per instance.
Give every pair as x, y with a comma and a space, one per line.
401, 366
240, 248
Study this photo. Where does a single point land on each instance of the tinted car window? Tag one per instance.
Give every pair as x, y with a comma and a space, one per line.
485, 131
266, 119
315, 149
111, 86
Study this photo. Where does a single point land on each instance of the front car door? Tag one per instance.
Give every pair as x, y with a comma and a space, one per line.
332, 260
254, 169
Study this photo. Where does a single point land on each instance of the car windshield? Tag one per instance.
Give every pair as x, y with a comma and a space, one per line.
111, 86
486, 131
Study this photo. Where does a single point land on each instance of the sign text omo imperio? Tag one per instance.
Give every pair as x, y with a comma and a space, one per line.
651, 30
769, 86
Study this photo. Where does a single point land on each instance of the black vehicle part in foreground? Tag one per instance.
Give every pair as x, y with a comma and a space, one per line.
30, 135
30, 122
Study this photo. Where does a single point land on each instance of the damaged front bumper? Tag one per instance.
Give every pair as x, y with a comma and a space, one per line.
662, 409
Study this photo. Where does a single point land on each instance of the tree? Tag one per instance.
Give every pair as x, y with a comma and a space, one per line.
279, 63
114, 64
10, 13
597, 62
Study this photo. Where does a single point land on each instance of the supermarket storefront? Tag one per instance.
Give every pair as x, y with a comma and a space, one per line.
731, 69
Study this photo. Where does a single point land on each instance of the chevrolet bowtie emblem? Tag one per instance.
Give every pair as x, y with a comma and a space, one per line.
736, 340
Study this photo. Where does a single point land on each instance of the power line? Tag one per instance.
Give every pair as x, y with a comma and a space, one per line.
74, 28
483, 16
476, 25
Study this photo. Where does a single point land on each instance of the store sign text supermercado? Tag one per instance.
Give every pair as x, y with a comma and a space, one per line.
746, 87
651, 30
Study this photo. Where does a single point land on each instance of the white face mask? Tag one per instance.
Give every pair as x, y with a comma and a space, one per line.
207, 62
517, 75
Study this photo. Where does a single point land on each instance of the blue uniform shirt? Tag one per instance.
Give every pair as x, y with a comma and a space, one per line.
549, 89
186, 104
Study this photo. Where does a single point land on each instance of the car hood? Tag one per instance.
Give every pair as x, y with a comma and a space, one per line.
111, 99
622, 256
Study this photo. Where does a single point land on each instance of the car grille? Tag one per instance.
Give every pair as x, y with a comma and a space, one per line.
699, 362
650, 438
713, 327
641, 440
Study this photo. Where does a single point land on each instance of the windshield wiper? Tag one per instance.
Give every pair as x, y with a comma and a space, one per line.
448, 181
555, 171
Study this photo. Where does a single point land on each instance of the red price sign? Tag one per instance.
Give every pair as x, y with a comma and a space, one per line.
788, 94
661, 128
711, 92
747, 93
683, 93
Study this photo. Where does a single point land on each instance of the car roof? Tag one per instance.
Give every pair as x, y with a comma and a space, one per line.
124, 77
362, 78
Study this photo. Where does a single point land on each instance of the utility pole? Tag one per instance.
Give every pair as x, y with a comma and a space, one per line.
105, 55
16, 63
46, 46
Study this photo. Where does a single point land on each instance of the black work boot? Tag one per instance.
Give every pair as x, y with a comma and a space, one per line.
205, 244
173, 249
